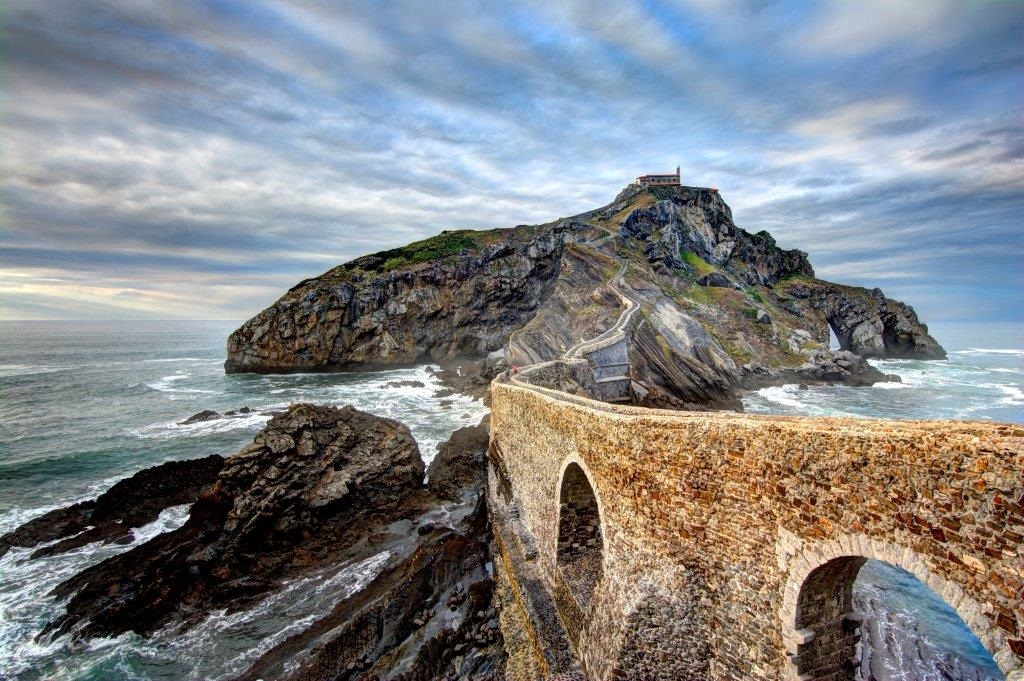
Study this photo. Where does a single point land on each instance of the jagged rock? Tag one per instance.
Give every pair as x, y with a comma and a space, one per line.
763, 317
866, 322
321, 486
459, 464
695, 373
132, 502
582, 284
309, 482
699, 221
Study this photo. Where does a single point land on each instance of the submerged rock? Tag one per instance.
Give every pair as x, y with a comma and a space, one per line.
205, 415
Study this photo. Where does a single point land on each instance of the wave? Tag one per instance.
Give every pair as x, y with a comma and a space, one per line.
1014, 395
13, 370
224, 424
167, 385
25, 605
989, 351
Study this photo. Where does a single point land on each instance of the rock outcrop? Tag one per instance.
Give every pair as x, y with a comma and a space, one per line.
372, 313
319, 487
430, 613
311, 481
713, 296
865, 321
130, 503
824, 366
697, 221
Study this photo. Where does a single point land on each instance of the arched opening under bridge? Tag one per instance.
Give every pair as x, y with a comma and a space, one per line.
580, 541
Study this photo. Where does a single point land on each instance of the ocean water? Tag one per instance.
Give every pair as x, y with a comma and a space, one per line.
84, 404
974, 383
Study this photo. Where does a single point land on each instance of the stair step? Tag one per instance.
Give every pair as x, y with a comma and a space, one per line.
612, 379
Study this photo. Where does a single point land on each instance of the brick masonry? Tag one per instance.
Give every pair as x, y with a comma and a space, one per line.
729, 542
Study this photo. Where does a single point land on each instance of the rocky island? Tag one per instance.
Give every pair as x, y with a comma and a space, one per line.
720, 309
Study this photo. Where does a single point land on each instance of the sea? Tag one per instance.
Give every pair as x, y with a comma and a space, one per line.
85, 404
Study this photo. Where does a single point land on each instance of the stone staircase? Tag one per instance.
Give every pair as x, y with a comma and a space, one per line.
608, 354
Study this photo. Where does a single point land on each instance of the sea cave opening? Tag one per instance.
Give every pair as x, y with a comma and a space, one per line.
868, 620
580, 542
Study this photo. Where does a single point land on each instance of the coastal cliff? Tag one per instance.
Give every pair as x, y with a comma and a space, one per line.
721, 309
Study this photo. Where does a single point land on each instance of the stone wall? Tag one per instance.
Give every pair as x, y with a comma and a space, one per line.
716, 527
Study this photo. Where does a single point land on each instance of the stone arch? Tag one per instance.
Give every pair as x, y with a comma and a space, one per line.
820, 630
579, 549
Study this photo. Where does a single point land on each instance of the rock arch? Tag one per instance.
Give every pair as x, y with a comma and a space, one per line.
820, 629
580, 551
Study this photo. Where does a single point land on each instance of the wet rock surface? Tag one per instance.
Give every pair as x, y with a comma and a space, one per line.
319, 487
430, 613
311, 481
130, 503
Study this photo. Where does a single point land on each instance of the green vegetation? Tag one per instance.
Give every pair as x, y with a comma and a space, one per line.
662, 193
733, 350
791, 279
749, 311
756, 295
699, 265
393, 264
444, 245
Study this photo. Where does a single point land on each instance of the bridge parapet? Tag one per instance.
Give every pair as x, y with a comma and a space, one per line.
725, 536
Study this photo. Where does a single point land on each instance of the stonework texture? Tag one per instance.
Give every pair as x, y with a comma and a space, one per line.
729, 542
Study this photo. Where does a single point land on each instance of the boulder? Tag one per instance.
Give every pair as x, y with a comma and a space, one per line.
311, 481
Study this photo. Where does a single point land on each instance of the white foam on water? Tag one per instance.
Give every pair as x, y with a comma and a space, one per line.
173, 429
225, 644
989, 351
1013, 394
169, 384
25, 606
891, 385
12, 370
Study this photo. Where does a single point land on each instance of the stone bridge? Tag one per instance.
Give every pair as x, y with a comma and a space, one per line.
648, 544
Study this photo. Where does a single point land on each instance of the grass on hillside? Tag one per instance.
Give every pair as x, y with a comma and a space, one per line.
699, 265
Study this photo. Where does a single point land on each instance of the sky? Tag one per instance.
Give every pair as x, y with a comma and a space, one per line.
195, 159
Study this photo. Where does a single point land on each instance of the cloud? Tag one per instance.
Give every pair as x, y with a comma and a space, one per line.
194, 159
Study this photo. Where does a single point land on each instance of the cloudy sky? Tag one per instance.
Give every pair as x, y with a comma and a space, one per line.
193, 159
